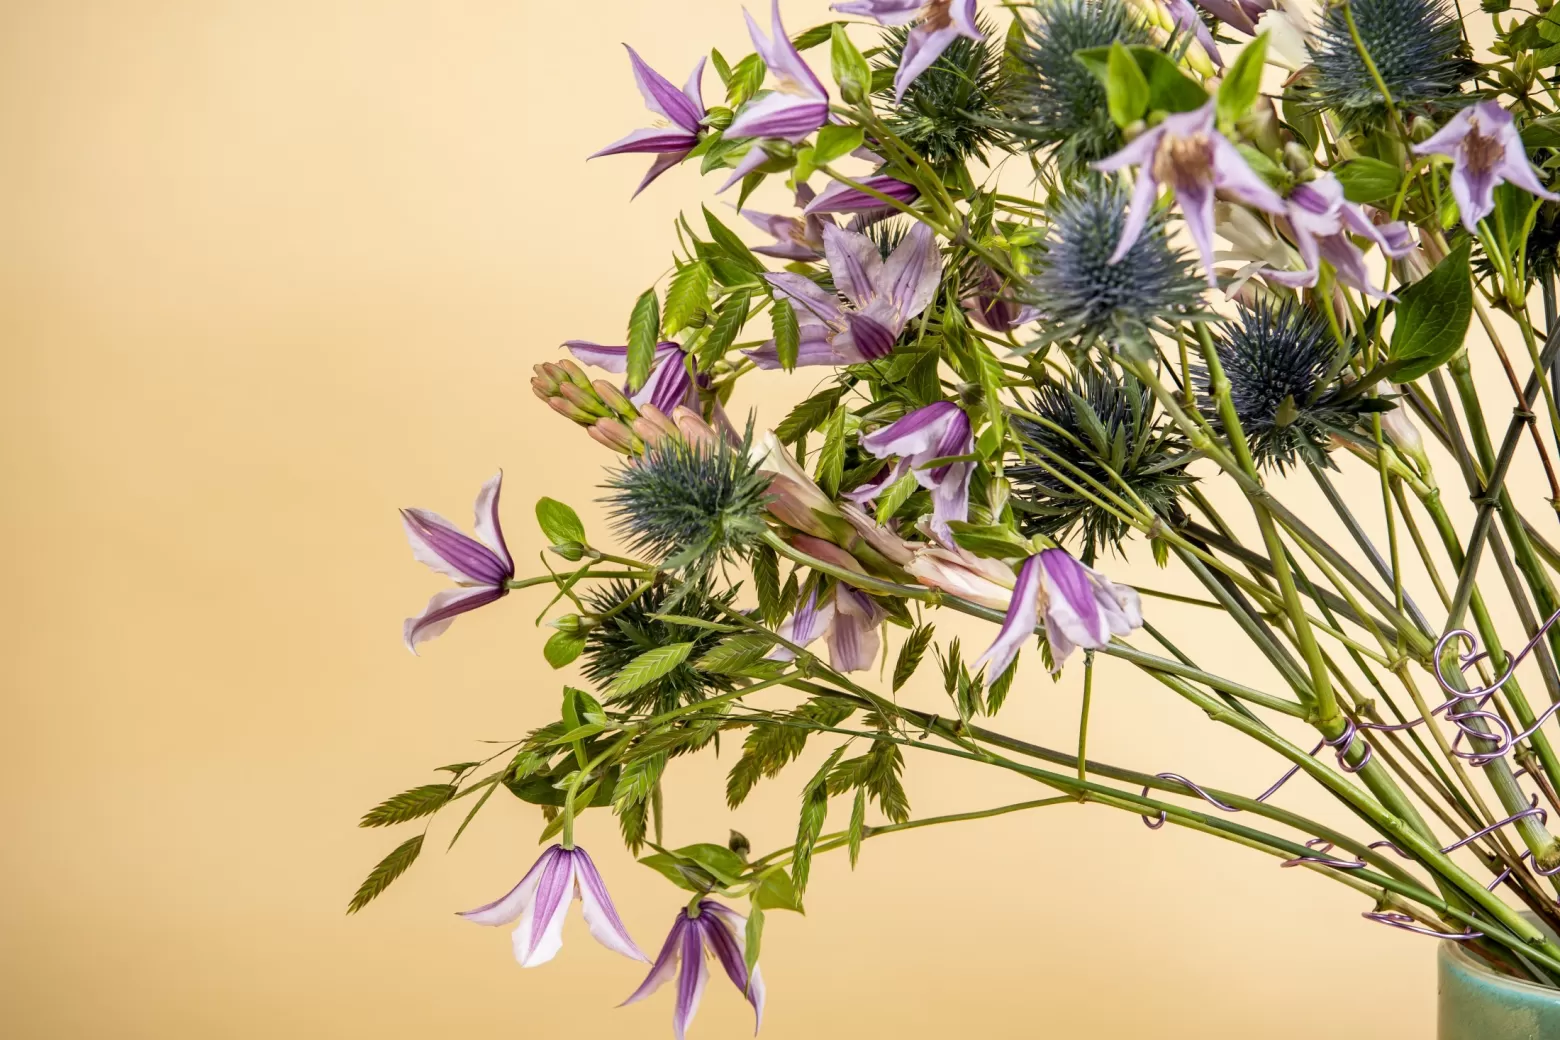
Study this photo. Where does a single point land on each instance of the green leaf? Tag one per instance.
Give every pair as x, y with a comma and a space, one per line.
996, 693
766, 583
733, 656
753, 937
809, 415
643, 326
723, 864
994, 541
387, 870
835, 141
563, 647
850, 68
695, 622
910, 654
770, 748
810, 38
408, 805
638, 779
1368, 180
1242, 82
746, 77
777, 893
1432, 317
687, 297
730, 245
1126, 88
560, 524
831, 458
728, 323
894, 496
648, 667
858, 824
1169, 89
491, 785
815, 808
788, 337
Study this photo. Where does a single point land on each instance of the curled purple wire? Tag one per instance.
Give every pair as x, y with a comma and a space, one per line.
1396, 920
1322, 847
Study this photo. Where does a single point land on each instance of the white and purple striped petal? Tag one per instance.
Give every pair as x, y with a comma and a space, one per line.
854, 637
482, 565
683, 107
691, 979
539, 936
782, 59
725, 932
1083, 607
508, 908
779, 115
854, 263
911, 273
601, 917
665, 965
884, 12
943, 22
840, 198
1018, 624
805, 625
442, 609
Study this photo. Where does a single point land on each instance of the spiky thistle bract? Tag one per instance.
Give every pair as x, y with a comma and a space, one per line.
1054, 100
1416, 46
1099, 429
616, 641
952, 111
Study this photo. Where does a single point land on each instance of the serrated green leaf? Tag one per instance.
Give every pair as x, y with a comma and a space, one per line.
735, 655
559, 523
815, 808
723, 333
1432, 317
770, 748
648, 667
385, 872
687, 621
894, 496
408, 805
1242, 82
858, 825
788, 337
831, 458
638, 779
809, 415
563, 647
810, 38
911, 653
746, 77
687, 297
836, 142
850, 68
766, 583
730, 245
1126, 88
643, 326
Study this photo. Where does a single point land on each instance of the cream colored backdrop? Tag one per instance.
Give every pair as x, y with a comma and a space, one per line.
272, 269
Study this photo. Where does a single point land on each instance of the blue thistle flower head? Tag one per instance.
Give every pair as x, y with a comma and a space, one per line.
1082, 294
1416, 46
690, 505
1054, 100
1282, 364
952, 111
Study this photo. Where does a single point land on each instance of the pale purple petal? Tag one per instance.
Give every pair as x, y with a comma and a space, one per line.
888, 475
872, 338
1514, 167
912, 273
1349, 262
600, 915
1017, 625
690, 980
1448, 140
725, 936
1070, 602
662, 163
437, 543
1233, 175
854, 638
651, 140
811, 351
951, 499
1474, 191
1188, 21
750, 161
1119, 604
804, 292
963, 14
855, 264
487, 525
922, 48
669, 383
1196, 202
884, 12
839, 198
613, 359
444, 608
508, 908
665, 965
779, 115
805, 625
1231, 14
1137, 152
782, 59
914, 434
539, 936
693, 90
662, 97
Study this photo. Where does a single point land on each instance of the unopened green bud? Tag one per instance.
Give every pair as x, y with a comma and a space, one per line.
575, 374
739, 844
717, 118
614, 399
585, 400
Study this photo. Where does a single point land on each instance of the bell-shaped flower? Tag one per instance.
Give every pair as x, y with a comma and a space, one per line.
961, 573
1324, 224
796, 238
1240, 14
1195, 161
482, 566
937, 431
541, 901
668, 385
990, 304
798, 105
849, 619
937, 25
840, 197
795, 499
711, 927
683, 108
1486, 151
882, 296
1082, 608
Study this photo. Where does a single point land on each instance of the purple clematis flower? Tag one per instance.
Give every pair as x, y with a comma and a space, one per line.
841, 198
1241, 14
1082, 608
1195, 160
685, 108
850, 620
938, 23
1486, 151
541, 901
718, 929
798, 105
481, 565
796, 238
1323, 221
990, 304
938, 431
1187, 20
883, 296
669, 384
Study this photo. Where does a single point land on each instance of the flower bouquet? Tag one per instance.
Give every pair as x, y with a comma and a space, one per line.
1028, 355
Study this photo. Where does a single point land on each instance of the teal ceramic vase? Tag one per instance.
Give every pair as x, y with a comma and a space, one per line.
1479, 1004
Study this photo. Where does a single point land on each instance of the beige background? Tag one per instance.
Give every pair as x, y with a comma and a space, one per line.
271, 270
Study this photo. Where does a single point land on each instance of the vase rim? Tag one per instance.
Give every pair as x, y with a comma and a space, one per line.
1455, 952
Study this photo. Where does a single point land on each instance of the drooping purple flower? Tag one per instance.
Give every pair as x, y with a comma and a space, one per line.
1241, 14
1486, 151
668, 385
796, 238
849, 619
937, 431
684, 108
883, 295
711, 927
482, 565
798, 105
1187, 20
841, 198
1082, 608
1323, 222
541, 901
937, 25
1186, 153
990, 304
